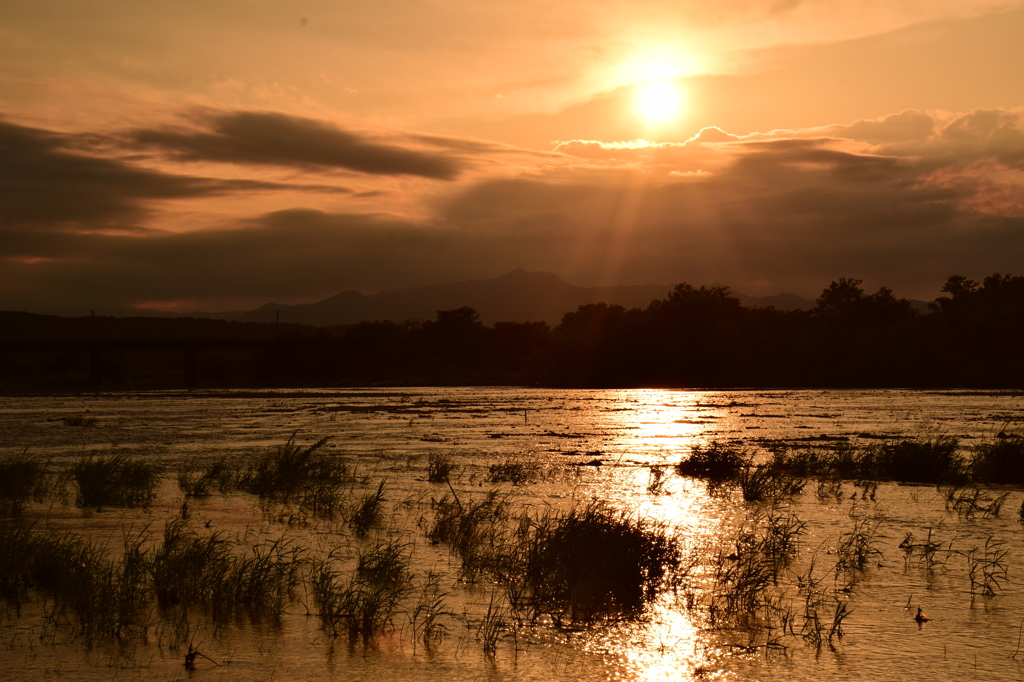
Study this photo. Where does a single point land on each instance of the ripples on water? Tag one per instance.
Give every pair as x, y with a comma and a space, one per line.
391, 433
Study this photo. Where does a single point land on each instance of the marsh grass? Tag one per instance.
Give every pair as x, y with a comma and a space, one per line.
23, 479
440, 468
858, 547
198, 482
517, 470
114, 481
987, 568
493, 625
84, 591
474, 528
287, 471
367, 511
716, 462
928, 552
938, 460
746, 570
586, 565
656, 480
595, 563
198, 573
999, 461
298, 483
829, 489
969, 503
362, 605
430, 614
769, 483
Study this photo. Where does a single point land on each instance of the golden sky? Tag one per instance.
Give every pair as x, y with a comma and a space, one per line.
219, 155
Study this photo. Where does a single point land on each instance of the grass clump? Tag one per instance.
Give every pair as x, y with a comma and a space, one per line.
292, 474
999, 461
475, 530
769, 483
22, 480
913, 461
440, 468
969, 503
362, 605
198, 482
589, 564
115, 481
987, 568
716, 462
367, 511
858, 547
594, 563
745, 570
515, 470
89, 594
195, 571
287, 471
429, 614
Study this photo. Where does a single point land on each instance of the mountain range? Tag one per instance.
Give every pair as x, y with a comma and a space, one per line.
517, 296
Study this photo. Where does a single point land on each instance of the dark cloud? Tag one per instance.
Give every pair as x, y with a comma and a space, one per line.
248, 137
43, 184
277, 256
46, 183
905, 126
982, 134
775, 213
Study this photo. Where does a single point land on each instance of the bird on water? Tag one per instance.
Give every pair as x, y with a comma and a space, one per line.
920, 617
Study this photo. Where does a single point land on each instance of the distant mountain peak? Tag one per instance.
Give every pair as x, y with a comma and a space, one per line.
516, 296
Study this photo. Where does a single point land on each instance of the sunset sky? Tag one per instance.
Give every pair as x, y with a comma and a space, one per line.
218, 155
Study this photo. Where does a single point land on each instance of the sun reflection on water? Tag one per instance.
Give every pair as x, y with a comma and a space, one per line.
670, 643
662, 422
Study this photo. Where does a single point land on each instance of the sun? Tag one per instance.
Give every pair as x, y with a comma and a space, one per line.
659, 102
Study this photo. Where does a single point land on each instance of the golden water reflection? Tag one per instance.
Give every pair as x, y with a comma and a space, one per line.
662, 425
661, 428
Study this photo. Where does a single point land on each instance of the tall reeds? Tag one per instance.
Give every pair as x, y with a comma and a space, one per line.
440, 468
86, 592
1000, 460
22, 480
198, 481
363, 604
517, 470
430, 614
314, 482
987, 568
474, 529
115, 481
858, 547
199, 572
367, 511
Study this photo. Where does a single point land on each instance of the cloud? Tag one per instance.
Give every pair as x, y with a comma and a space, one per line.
43, 184
250, 137
907, 125
46, 184
712, 134
782, 211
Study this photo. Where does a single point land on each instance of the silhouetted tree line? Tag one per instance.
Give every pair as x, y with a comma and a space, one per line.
695, 337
